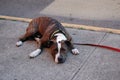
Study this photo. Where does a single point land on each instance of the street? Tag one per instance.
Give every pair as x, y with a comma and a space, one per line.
100, 13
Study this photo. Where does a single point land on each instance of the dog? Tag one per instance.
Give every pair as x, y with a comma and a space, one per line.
49, 33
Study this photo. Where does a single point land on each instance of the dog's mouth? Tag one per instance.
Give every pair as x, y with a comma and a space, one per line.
60, 59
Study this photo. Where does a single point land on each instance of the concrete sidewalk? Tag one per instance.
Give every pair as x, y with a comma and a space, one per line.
91, 64
85, 9
102, 13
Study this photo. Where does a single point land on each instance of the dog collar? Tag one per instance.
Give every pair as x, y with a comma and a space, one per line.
57, 31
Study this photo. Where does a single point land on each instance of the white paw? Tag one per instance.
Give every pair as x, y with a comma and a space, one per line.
75, 51
19, 43
37, 39
35, 53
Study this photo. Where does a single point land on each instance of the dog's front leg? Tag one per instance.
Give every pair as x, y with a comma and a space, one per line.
74, 50
38, 50
41, 41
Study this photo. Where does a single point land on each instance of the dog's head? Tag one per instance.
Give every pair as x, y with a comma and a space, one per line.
59, 50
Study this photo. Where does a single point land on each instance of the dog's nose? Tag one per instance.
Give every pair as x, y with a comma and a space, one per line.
60, 60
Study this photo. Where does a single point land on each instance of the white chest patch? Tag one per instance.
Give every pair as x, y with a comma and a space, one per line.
59, 38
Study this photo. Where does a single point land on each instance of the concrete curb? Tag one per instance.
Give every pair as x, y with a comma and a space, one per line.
93, 28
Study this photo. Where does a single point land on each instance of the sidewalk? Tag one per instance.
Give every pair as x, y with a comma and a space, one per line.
101, 13
85, 9
91, 64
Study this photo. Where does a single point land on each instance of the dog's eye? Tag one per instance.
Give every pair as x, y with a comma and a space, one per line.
62, 49
56, 49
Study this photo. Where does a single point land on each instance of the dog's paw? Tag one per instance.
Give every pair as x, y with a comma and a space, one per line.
19, 43
35, 53
75, 51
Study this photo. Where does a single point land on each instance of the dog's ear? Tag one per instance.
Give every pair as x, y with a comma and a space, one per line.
49, 44
68, 43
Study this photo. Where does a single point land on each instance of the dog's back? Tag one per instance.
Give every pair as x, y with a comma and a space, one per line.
41, 25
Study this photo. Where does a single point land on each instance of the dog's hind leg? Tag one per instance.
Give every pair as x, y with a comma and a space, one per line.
30, 31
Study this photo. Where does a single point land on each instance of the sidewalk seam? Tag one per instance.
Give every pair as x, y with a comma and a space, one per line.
85, 61
82, 66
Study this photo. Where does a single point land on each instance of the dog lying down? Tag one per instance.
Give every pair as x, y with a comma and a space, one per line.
49, 33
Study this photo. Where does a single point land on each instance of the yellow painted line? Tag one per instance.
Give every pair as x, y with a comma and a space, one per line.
93, 28
85, 27
15, 18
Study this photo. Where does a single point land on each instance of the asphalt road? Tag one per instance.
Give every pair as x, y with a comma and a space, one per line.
23, 8
80, 11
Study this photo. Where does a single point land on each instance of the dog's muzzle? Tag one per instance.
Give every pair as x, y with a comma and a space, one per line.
60, 59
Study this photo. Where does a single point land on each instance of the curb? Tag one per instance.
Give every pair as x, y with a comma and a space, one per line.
84, 27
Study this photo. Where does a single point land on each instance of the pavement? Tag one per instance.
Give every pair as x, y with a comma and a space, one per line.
105, 13
91, 64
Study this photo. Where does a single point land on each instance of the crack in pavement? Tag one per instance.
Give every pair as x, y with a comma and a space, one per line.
85, 61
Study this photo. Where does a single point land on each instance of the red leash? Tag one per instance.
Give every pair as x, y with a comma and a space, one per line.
101, 46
